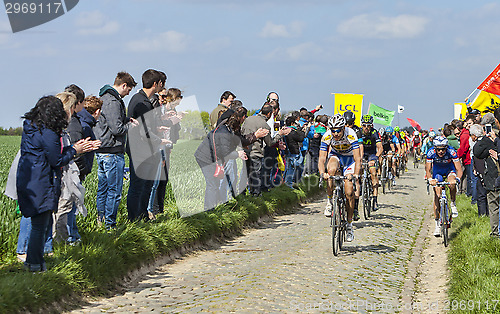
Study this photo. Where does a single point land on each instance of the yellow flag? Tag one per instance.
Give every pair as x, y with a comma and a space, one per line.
486, 102
349, 102
460, 110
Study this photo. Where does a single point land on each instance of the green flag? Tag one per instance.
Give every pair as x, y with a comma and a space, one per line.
381, 115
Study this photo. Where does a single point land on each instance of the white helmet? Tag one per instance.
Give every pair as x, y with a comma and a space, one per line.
440, 141
381, 131
416, 133
337, 121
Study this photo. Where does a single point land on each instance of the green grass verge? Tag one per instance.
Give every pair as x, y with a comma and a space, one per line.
474, 260
105, 258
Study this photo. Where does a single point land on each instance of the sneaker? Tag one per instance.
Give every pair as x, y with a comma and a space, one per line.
21, 257
437, 230
328, 209
350, 235
454, 211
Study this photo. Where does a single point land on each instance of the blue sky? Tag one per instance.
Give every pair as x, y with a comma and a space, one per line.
424, 55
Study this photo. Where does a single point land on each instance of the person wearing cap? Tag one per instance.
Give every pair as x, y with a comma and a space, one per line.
443, 163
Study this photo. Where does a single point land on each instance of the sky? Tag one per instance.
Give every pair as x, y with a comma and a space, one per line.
424, 55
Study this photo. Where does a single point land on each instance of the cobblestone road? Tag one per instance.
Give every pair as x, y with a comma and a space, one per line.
287, 265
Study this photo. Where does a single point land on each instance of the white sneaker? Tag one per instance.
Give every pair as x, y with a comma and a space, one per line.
350, 234
394, 182
437, 230
328, 209
454, 211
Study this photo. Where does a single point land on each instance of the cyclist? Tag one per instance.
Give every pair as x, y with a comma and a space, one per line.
391, 146
350, 118
442, 162
416, 142
344, 157
402, 143
427, 144
372, 150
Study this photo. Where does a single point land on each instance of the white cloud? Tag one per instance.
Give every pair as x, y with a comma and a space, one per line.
304, 51
170, 41
96, 23
272, 30
383, 27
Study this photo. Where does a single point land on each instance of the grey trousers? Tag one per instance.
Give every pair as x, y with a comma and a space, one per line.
493, 203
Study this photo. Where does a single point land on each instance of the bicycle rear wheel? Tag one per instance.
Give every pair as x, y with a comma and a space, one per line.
335, 229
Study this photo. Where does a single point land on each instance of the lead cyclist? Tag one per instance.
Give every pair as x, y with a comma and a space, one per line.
343, 158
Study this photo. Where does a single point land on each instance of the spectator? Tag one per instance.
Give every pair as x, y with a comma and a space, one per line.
111, 129
294, 157
252, 124
142, 172
315, 142
476, 134
225, 100
38, 179
452, 139
464, 154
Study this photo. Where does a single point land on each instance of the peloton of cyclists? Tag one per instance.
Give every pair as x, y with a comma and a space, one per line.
442, 162
391, 146
344, 157
371, 150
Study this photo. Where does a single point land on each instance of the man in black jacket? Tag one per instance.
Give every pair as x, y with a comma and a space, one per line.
294, 157
142, 145
111, 129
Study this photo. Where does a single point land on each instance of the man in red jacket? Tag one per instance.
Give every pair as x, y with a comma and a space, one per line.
464, 154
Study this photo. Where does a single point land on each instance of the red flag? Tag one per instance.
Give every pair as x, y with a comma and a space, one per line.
492, 83
414, 124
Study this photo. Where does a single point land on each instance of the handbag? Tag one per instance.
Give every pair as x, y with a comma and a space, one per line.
219, 169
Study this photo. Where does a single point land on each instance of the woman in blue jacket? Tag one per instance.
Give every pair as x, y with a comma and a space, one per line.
39, 171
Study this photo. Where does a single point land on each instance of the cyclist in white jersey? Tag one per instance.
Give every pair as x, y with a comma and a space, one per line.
340, 147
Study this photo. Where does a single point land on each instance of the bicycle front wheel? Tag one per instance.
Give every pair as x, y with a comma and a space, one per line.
335, 229
343, 223
366, 199
444, 222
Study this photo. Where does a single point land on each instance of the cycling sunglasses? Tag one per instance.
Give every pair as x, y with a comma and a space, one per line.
336, 130
366, 125
440, 149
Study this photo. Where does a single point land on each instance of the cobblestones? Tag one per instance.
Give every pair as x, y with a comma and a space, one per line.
287, 265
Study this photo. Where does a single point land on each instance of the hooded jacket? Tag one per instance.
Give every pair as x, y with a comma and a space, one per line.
87, 122
111, 127
38, 180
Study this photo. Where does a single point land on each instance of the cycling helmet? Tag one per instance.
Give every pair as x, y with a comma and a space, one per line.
389, 129
440, 141
381, 131
432, 134
337, 121
403, 135
349, 117
416, 133
368, 119
396, 128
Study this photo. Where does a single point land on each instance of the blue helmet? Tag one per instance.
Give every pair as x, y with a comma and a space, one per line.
389, 129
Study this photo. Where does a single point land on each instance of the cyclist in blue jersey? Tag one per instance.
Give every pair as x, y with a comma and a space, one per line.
340, 147
442, 162
371, 150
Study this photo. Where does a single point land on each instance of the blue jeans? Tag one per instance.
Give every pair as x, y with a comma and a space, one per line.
472, 181
24, 236
39, 231
293, 162
212, 186
73, 234
228, 183
109, 190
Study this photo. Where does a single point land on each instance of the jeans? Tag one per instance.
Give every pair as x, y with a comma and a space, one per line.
255, 176
493, 205
138, 196
472, 182
293, 162
482, 202
24, 236
73, 234
39, 232
229, 183
109, 190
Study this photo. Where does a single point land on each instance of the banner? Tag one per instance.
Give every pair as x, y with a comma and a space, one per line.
401, 109
349, 102
414, 124
492, 83
460, 111
485, 102
381, 115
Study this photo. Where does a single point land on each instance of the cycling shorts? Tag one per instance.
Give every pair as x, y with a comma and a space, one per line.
442, 171
346, 162
370, 157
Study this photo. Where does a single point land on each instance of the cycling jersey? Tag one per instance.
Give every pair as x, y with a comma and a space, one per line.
370, 141
442, 165
387, 141
344, 146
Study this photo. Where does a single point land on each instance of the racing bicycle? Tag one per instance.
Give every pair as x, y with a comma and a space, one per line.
445, 218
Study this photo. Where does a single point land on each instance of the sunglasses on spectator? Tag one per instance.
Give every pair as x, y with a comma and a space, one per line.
336, 130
